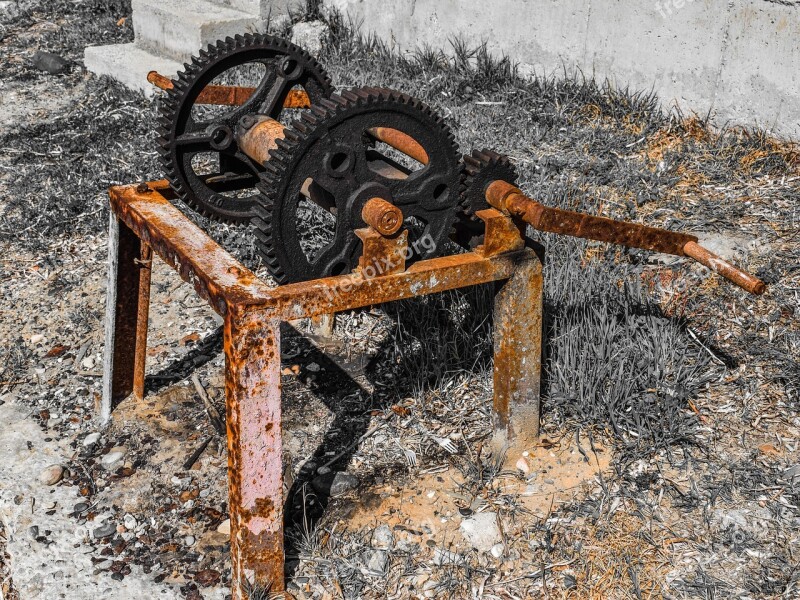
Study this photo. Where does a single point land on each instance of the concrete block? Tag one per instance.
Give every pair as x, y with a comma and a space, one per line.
129, 64
180, 28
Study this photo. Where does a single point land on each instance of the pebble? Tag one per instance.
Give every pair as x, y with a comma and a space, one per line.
51, 475
376, 560
225, 527
481, 531
497, 550
50, 63
189, 540
53, 422
313, 367
112, 458
522, 465
91, 439
382, 537
130, 522
88, 362
335, 484
33, 530
36, 338
106, 529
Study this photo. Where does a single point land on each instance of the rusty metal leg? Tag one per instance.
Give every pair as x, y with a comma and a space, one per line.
517, 359
255, 487
127, 307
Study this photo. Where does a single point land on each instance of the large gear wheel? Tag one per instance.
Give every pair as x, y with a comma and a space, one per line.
478, 170
196, 142
329, 164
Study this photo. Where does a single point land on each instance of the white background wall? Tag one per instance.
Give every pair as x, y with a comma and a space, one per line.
739, 58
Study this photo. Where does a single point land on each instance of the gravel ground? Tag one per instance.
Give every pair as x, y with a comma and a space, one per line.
668, 465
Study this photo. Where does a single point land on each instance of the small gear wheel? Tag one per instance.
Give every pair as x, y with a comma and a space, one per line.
331, 162
196, 142
478, 170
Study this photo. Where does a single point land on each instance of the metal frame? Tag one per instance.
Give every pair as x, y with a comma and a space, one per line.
143, 221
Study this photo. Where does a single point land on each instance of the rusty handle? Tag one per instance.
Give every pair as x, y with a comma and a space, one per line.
504, 196
721, 266
228, 95
384, 217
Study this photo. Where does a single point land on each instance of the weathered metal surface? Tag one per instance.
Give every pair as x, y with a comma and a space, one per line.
127, 305
517, 358
252, 316
382, 216
504, 196
501, 234
228, 95
257, 135
215, 274
400, 141
255, 469
381, 255
719, 265
145, 264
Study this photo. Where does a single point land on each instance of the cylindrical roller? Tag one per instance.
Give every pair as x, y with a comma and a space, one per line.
384, 217
257, 135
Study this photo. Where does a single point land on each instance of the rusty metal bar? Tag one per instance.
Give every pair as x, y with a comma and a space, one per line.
251, 342
228, 95
145, 264
504, 196
215, 274
517, 360
719, 265
400, 141
127, 304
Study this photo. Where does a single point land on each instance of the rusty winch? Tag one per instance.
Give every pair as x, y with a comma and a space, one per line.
361, 199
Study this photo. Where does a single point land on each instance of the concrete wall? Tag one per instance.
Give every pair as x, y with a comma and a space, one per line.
740, 59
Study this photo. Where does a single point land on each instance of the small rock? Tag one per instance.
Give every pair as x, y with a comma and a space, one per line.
310, 36
112, 458
522, 465
33, 530
189, 540
91, 439
106, 529
130, 522
481, 531
446, 557
334, 484
51, 475
50, 63
497, 550
225, 527
313, 367
323, 470
53, 422
105, 565
382, 538
376, 560
80, 507
36, 338
88, 363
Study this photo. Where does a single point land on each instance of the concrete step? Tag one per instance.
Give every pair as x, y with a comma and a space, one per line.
179, 28
129, 64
